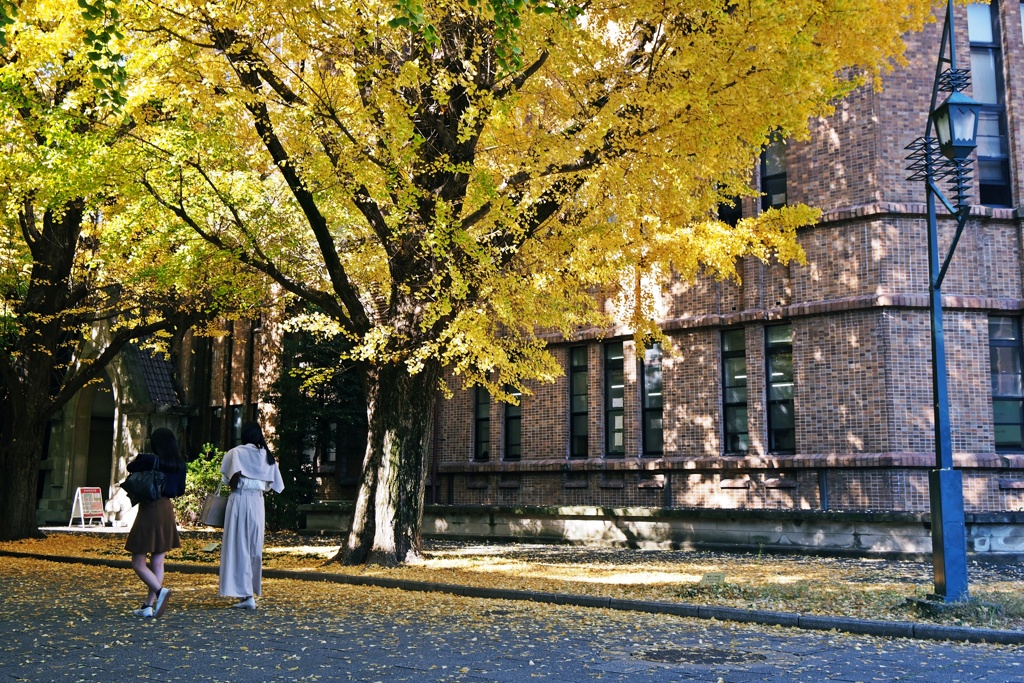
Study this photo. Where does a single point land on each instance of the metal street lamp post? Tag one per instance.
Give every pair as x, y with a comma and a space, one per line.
944, 157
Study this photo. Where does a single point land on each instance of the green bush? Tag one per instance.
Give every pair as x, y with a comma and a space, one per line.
202, 478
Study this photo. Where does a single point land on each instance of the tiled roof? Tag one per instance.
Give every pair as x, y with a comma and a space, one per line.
157, 372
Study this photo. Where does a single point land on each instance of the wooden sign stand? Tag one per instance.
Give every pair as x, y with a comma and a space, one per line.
88, 505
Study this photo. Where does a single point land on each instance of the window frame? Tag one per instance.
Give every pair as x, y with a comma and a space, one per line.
236, 417
1017, 344
649, 412
513, 450
993, 194
729, 436
777, 144
777, 351
481, 424
579, 417
612, 365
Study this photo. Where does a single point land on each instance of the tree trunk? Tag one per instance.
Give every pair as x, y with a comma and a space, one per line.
20, 455
31, 361
388, 514
23, 425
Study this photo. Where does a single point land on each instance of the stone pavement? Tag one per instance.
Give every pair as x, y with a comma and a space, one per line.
70, 622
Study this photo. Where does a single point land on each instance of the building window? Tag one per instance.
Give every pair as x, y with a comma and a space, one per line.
482, 425
734, 391
579, 427
331, 447
614, 401
773, 174
987, 87
1004, 340
236, 425
309, 447
779, 352
514, 426
731, 211
217, 425
652, 403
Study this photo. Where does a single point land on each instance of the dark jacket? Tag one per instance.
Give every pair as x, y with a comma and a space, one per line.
174, 472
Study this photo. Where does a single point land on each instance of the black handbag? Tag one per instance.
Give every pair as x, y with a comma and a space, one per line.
145, 486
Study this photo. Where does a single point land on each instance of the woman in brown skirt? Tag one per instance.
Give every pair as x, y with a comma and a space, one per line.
155, 531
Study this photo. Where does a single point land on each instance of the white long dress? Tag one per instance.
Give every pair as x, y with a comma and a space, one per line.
241, 555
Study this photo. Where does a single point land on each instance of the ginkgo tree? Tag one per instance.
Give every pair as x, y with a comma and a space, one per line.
82, 271
449, 181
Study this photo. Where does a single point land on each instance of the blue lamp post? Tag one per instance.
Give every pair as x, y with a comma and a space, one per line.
933, 159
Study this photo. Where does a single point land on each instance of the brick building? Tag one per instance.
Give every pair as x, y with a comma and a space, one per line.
794, 409
805, 390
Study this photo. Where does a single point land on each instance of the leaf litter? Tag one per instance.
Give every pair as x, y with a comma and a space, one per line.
866, 588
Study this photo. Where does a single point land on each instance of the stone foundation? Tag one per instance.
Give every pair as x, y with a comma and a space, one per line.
868, 534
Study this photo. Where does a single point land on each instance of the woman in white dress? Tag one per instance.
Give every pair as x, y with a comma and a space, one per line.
251, 470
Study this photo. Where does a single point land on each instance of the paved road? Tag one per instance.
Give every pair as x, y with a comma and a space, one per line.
74, 623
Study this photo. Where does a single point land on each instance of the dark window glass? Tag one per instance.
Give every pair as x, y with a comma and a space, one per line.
578, 403
773, 174
236, 425
331, 445
614, 401
1007, 391
482, 425
987, 88
309, 447
514, 427
781, 425
652, 397
216, 425
730, 211
734, 391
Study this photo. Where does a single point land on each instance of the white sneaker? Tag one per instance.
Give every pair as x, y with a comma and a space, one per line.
161, 602
248, 603
144, 611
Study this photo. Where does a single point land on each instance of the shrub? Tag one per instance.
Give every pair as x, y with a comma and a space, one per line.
203, 475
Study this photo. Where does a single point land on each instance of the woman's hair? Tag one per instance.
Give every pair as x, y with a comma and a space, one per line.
165, 445
253, 434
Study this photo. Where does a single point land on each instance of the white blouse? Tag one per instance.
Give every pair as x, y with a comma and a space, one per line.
247, 484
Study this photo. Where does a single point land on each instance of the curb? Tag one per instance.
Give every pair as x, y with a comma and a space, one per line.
811, 622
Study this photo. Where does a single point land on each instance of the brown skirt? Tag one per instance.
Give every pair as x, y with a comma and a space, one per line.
155, 530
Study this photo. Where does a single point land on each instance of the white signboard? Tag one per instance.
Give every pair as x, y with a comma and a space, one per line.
88, 505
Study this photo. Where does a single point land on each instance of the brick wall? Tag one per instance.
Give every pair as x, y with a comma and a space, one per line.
841, 405
861, 346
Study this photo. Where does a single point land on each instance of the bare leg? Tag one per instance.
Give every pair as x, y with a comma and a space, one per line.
156, 564
148, 576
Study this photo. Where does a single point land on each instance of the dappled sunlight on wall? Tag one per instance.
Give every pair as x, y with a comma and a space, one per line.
908, 377
967, 367
994, 490
838, 166
691, 394
840, 263
839, 376
703, 297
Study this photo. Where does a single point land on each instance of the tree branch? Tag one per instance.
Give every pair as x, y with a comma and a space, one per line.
250, 79
519, 81
325, 301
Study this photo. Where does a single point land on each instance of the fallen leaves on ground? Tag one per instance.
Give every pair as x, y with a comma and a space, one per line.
851, 587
